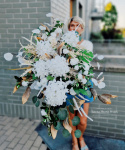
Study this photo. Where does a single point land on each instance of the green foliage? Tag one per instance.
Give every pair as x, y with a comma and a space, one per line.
65, 133
58, 125
71, 109
62, 114
50, 78
75, 121
78, 133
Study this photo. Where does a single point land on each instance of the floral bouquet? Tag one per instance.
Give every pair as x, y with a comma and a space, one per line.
57, 66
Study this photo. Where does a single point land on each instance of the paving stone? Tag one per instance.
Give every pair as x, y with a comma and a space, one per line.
4, 145
3, 138
33, 135
34, 148
18, 147
11, 137
28, 145
9, 131
13, 143
43, 147
24, 139
38, 142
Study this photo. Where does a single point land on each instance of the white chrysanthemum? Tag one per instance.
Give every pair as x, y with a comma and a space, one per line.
58, 66
71, 38
52, 40
55, 93
40, 69
44, 36
74, 61
43, 47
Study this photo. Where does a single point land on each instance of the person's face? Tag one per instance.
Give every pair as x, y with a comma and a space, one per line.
73, 26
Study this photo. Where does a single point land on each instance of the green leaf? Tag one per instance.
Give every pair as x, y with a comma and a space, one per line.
37, 103
76, 90
89, 94
58, 126
65, 133
50, 78
33, 77
82, 91
71, 109
62, 114
75, 121
34, 99
78, 133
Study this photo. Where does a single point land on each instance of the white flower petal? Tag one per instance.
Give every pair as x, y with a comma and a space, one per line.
8, 56
101, 85
49, 15
42, 28
98, 65
100, 57
37, 31
72, 92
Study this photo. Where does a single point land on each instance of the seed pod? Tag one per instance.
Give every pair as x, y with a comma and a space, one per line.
53, 131
104, 99
94, 93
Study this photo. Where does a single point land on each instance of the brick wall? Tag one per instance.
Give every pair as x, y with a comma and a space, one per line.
17, 18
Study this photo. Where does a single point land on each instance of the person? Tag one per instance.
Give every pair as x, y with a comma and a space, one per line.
76, 23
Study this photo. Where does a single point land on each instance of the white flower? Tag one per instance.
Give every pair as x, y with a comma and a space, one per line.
20, 54
52, 40
86, 66
55, 93
25, 83
49, 15
44, 36
58, 66
74, 61
76, 67
43, 47
80, 77
85, 72
8, 56
43, 113
100, 57
101, 85
58, 30
65, 51
71, 38
72, 92
41, 69
53, 34
37, 31
42, 28
84, 81
95, 81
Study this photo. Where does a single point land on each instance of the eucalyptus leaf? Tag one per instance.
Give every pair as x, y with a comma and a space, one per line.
71, 109
75, 121
34, 99
62, 114
78, 133
37, 103
65, 133
58, 126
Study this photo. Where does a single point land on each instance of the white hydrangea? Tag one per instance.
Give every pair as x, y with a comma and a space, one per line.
43, 47
41, 69
58, 66
55, 93
71, 38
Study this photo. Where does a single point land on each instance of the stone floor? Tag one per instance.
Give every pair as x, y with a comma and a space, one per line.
20, 134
